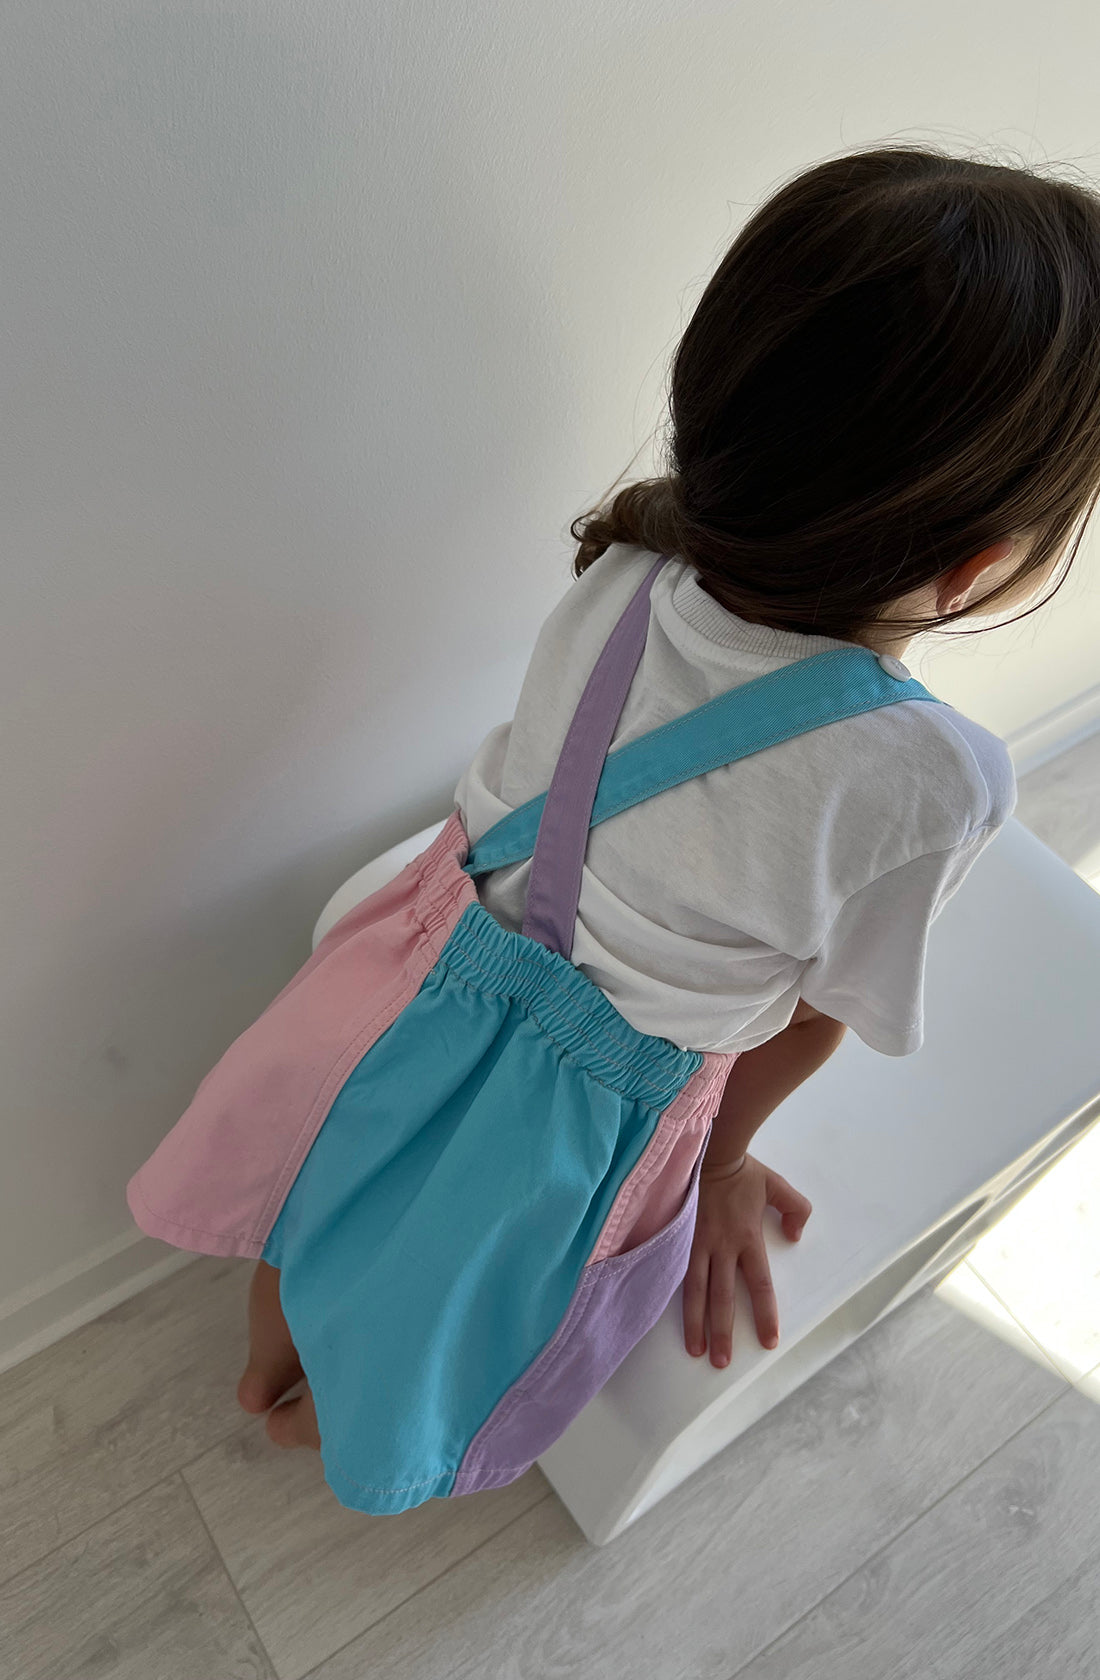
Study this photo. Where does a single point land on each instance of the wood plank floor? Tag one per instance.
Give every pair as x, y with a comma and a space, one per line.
926, 1508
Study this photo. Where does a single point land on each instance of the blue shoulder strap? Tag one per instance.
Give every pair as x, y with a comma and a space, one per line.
824, 688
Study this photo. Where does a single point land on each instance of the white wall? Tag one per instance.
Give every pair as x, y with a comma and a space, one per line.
320, 324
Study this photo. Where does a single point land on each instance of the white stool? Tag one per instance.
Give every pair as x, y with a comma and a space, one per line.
906, 1159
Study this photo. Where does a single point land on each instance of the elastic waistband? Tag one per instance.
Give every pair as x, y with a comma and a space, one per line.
569, 1007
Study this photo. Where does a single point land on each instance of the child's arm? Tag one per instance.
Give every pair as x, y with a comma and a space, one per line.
761, 1078
733, 1200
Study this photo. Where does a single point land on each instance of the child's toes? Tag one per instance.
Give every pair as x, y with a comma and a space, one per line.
294, 1423
263, 1384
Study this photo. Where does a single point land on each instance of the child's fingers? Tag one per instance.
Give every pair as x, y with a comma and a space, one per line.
720, 1299
695, 1299
754, 1264
794, 1207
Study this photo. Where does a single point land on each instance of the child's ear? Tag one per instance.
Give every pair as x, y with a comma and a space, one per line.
956, 584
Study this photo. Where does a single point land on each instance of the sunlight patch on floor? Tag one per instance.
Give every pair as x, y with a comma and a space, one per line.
1034, 1277
964, 1289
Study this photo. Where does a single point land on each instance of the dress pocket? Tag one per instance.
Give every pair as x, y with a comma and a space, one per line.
617, 1301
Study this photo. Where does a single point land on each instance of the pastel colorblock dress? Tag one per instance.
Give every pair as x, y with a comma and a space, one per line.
478, 1180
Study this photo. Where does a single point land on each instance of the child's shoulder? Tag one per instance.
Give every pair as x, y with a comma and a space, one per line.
980, 760
943, 778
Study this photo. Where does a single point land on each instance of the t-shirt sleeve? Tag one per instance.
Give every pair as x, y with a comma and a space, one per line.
869, 970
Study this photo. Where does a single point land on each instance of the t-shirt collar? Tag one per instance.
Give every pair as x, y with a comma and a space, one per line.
692, 603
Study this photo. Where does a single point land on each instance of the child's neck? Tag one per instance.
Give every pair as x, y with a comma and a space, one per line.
880, 641
877, 637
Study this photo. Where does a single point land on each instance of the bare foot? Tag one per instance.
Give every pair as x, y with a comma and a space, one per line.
273, 1363
294, 1423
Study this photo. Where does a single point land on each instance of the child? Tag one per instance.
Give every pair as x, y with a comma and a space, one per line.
885, 417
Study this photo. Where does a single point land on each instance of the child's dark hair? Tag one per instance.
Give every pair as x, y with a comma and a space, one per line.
896, 364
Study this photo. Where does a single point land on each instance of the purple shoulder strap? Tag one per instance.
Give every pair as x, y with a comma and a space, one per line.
557, 861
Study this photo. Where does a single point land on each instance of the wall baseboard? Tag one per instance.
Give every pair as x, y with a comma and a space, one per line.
72, 1296
1055, 732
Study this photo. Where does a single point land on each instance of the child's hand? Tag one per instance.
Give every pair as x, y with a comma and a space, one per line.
729, 1228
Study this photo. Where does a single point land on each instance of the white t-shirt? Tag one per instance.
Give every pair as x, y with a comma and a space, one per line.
813, 868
